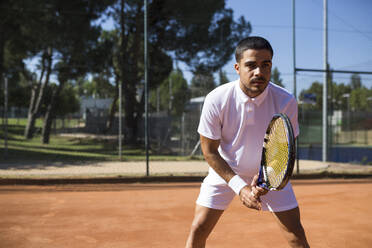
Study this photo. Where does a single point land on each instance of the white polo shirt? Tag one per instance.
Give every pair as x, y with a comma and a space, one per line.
240, 123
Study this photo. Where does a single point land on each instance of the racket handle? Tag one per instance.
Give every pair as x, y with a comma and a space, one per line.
261, 180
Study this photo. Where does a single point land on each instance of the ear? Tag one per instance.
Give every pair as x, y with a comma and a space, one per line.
237, 68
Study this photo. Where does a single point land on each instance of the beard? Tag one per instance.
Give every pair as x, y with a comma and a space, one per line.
255, 86
258, 80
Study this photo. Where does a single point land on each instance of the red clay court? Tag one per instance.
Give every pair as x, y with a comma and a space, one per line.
335, 213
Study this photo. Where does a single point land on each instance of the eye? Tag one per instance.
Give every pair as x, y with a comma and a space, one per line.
266, 65
251, 66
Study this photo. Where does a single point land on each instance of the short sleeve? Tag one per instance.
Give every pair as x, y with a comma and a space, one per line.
210, 122
292, 112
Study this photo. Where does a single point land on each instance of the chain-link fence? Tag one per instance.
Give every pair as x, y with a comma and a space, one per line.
78, 77
349, 136
168, 134
349, 132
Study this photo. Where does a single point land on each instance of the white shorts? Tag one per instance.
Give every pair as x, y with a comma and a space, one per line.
219, 196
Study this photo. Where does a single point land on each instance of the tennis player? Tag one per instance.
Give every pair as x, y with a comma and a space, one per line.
232, 127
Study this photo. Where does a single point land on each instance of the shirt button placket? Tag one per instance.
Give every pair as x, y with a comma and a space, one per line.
250, 112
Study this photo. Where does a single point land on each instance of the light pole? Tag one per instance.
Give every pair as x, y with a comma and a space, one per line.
347, 96
5, 117
146, 89
325, 85
369, 99
369, 103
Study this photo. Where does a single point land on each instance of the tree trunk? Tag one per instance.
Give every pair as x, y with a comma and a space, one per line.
2, 47
139, 113
129, 86
50, 114
37, 95
130, 131
31, 116
47, 125
128, 68
113, 108
30, 127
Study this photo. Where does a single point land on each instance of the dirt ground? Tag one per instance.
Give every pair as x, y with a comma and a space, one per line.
335, 213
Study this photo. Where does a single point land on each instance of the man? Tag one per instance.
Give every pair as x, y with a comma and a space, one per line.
232, 127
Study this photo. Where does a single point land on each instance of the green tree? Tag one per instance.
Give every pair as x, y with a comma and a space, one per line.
316, 89
359, 99
172, 95
75, 45
353, 96
223, 77
355, 81
275, 77
202, 83
18, 41
68, 99
97, 86
57, 29
14, 38
369, 99
18, 91
193, 37
38, 89
107, 76
128, 61
339, 91
24, 39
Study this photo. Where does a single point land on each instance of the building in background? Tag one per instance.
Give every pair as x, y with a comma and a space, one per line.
94, 107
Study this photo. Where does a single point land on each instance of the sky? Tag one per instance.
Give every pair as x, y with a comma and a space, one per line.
349, 37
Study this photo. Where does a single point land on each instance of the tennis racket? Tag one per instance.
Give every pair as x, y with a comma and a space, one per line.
278, 154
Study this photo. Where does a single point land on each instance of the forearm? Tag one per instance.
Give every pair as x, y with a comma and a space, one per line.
219, 165
223, 169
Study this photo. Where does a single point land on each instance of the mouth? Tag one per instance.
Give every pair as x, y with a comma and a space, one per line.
258, 82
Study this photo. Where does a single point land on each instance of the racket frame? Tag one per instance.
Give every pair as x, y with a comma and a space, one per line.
262, 180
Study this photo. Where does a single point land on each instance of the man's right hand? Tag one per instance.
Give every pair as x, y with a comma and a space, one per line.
249, 199
250, 195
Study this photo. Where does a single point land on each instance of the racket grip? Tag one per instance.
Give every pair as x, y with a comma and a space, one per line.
236, 183
261, 180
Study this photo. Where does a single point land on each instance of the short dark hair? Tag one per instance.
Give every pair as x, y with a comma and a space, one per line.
252, 42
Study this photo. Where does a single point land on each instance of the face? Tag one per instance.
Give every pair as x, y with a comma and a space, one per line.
254, 69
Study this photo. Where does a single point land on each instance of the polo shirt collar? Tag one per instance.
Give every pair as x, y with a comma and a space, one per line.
243, 98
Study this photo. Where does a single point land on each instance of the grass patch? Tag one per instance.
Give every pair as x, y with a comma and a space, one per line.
72, 150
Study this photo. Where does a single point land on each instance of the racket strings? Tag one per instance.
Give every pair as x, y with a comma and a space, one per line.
276, 153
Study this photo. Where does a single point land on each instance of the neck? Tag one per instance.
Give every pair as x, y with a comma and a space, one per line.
249, 92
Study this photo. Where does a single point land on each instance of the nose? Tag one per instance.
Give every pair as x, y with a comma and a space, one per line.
258, 71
